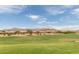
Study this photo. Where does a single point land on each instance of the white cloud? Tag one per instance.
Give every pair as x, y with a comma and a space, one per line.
40, 20
75, 11
51, 22
45, 22
36, 17
69, 6
11, 8
58, 9
55, 10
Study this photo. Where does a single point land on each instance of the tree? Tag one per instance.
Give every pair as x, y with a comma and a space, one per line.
68, 32
3, 32
17, 32
9, 34
59, 31
29, 31
38, 33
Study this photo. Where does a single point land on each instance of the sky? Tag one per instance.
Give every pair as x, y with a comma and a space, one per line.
39, 16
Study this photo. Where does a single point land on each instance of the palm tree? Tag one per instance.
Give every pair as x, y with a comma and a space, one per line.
29, 31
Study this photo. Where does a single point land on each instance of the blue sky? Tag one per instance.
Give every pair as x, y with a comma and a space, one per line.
39, 16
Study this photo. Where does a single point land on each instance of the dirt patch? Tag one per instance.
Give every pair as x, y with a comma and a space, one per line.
71, 40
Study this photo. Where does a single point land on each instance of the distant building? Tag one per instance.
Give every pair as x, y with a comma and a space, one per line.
24, 32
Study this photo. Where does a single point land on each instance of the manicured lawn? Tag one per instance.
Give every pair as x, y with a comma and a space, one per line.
54, 44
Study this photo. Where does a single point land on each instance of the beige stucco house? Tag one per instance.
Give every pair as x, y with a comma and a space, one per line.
24, 32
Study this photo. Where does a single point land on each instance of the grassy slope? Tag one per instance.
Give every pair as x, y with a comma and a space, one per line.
39, 44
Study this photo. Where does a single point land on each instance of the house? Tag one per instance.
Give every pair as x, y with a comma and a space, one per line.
24, 32
44, 31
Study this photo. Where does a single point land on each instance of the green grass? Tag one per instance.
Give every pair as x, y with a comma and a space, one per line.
53, 44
